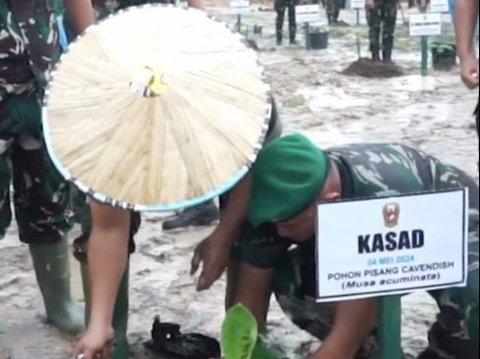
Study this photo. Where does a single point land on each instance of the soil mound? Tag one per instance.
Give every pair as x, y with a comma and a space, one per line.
373, 69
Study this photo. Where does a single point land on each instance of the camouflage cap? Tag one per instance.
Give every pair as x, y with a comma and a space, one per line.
287, 175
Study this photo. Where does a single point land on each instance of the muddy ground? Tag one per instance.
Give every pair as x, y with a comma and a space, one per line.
431, 113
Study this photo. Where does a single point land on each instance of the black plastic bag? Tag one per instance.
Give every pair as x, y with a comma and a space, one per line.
168, 340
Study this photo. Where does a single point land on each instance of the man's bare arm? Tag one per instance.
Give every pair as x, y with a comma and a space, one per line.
80, 13
214, 251
253, 290
466, 17
107, 258
354, 320
198, 4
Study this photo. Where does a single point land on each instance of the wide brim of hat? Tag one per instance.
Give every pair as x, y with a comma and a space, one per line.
194, 139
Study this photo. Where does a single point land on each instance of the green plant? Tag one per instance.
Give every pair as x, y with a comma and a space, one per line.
441, 47
266, 351
239, 333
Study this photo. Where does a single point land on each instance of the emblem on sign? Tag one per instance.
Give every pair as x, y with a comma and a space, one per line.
391, 214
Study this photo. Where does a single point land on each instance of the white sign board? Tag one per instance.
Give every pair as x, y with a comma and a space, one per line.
357, 4
425, 24
396, 245
307, 13
239, 7
439, 6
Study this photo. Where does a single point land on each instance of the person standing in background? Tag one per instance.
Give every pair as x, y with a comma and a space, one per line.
280, 7
333, 10
466, 20
381, 19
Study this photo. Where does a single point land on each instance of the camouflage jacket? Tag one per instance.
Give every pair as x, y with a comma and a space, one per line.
370, 169
29, 44
366, 170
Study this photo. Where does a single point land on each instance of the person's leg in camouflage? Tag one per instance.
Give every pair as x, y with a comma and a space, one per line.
374, 17
292, 21
330, 10
280, 7
455, 332
389, 21
337, 4
41, 210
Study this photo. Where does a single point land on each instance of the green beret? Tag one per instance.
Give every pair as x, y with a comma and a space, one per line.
286, 177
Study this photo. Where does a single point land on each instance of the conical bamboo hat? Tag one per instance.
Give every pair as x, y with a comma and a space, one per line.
156, 108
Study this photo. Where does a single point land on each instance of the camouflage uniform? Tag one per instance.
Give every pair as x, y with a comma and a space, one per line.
28, 48
333, 10
369, 170
280, 7
381, 21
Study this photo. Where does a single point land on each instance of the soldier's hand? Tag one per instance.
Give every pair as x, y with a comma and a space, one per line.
214, 255
96, 343
369, 4
469, 70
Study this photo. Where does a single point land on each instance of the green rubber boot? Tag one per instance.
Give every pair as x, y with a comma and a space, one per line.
120, 313
52, 269
120, 320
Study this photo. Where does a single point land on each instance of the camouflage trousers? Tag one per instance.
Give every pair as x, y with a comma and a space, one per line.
333, 10
280, 7
381, 22
454, 335
40, 194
